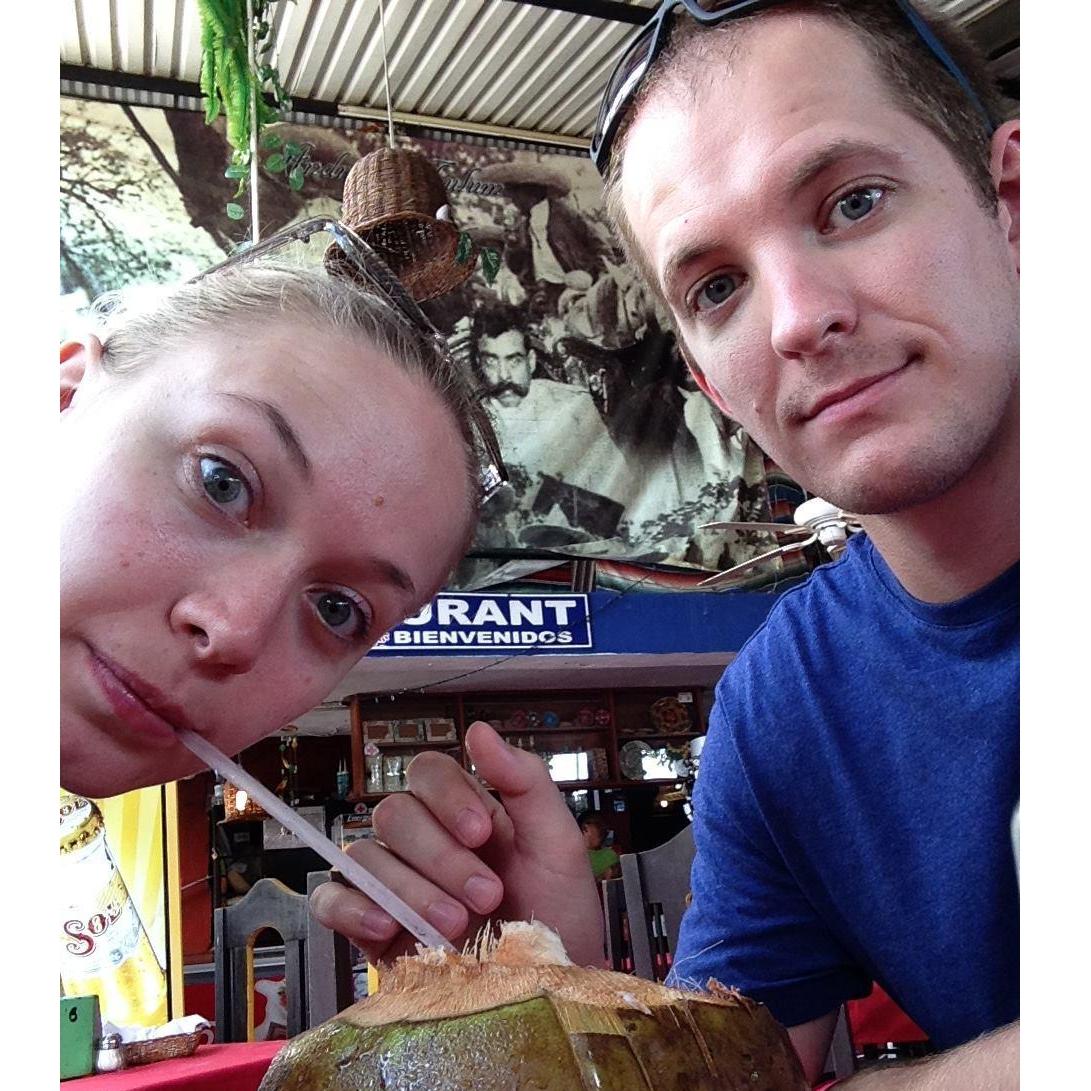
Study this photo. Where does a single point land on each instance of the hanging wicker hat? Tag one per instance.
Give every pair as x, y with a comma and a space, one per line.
396, 202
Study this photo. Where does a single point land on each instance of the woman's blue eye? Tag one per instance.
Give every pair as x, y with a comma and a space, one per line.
716, 291
859, 203
341, 614
225, 485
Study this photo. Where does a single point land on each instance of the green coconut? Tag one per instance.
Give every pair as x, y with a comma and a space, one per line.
514, 1014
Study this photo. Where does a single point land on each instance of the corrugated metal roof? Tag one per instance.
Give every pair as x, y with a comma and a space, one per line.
505, 63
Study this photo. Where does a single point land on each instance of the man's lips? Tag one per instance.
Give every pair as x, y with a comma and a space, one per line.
850, 390
137, 703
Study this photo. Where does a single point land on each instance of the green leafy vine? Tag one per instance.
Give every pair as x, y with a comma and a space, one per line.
232, 85
489, 258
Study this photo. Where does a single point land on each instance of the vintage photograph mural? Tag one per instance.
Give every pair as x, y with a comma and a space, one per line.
612, 450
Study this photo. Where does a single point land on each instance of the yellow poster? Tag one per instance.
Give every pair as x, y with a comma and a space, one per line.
118, 869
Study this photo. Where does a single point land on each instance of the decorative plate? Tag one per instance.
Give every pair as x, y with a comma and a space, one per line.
550, 719
670, 716
631, 759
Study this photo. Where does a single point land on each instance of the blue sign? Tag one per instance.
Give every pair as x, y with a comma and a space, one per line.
462, 624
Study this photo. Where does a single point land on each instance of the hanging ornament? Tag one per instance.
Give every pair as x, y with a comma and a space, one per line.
395, 200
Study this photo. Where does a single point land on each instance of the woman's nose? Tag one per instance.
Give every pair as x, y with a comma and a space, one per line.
813, 309
230, 625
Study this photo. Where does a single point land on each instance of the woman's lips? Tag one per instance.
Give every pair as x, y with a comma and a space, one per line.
128, 706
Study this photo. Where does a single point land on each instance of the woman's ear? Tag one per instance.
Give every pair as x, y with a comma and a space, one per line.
1004, 166
78, 359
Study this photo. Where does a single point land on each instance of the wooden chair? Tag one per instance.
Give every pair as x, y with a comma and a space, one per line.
657, 882
317, 969
653, 895
618, 954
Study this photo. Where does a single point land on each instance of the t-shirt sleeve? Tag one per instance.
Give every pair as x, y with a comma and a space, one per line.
749, 924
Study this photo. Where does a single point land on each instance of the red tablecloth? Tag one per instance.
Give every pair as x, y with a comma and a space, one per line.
232, 1067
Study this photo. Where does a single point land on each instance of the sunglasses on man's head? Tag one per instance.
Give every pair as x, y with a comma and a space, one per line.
369, 270
651, 39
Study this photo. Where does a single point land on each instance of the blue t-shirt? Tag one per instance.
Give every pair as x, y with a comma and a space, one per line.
854, 804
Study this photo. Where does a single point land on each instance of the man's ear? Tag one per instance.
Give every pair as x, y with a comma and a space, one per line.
700, 379
78, 359
1004, 167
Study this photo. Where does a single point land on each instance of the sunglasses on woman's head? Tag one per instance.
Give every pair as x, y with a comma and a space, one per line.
652, 38
369, 270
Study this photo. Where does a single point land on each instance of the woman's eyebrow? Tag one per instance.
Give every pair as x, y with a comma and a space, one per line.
281, 425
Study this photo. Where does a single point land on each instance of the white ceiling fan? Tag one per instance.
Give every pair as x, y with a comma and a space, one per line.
816, 520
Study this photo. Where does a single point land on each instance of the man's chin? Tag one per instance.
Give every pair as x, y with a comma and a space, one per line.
876, 490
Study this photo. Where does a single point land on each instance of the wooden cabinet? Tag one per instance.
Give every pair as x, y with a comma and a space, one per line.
581, 734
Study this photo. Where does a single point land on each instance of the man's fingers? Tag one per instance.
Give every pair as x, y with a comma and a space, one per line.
529, 796
351, 913
410, 830
344, 909
456, 799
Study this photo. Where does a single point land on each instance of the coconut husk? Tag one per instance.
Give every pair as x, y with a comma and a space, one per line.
514, 1014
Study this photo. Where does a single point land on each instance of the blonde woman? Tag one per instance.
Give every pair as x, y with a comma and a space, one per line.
264, 473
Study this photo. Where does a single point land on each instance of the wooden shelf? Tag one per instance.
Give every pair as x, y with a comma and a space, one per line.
577, 729
685, 736
613, 785
419, 744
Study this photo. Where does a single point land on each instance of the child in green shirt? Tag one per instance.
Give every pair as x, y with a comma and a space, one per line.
604, 861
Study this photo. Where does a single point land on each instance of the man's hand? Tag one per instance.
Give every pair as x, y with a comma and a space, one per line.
458, 856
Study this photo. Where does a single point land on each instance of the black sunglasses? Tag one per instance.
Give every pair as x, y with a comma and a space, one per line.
368, 269
650, 40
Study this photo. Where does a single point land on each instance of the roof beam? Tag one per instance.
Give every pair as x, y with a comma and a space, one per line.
610, 10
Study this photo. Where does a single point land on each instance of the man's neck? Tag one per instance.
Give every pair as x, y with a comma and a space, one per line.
957, 543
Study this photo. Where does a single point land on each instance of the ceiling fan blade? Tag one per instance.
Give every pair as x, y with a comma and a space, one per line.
729, 574
765, 528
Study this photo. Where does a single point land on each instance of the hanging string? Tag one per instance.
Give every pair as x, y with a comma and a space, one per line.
386, 76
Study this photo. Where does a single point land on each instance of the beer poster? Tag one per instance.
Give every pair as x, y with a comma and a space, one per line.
120, 931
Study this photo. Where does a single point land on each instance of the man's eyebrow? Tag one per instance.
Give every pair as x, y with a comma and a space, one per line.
829, 155
282, 426
679, 260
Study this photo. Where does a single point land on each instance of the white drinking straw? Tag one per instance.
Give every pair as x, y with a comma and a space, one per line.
276, 808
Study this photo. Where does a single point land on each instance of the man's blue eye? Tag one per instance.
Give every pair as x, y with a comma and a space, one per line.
859, 203
716, 291
223, 483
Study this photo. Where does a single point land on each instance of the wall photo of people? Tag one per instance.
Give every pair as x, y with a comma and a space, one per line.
611, 449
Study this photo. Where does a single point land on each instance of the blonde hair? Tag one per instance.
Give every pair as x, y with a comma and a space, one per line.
135, 325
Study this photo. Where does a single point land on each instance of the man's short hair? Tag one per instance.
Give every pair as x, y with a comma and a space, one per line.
589, 818
495, 321
918, 81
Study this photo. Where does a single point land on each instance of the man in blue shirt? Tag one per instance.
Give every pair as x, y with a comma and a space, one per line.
829, 205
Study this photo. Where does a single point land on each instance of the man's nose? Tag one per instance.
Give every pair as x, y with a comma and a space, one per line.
812, 308
229, 622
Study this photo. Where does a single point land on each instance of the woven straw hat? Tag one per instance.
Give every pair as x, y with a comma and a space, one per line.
393, 199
